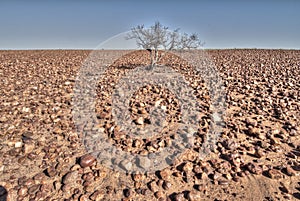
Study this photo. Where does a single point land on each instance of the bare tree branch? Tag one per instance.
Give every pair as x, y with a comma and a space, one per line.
159, 37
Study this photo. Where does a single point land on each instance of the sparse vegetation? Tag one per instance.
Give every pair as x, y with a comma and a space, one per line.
160, 37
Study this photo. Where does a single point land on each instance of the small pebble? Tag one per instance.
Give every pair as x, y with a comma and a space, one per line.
139, 121
274, 174
159, 194
51, 171
22, 191
70, 178
179, 197
87, 160
290, 171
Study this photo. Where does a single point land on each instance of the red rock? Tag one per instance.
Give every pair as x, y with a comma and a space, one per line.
87, 160
274, 174
254, 168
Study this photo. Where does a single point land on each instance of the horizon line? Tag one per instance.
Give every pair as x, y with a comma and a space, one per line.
92, 49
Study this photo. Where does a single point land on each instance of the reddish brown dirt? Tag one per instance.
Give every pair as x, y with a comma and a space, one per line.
42, 156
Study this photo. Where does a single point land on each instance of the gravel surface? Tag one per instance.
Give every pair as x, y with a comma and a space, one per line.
43, 156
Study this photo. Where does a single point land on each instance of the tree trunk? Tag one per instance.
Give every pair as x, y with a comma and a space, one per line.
156, 57
150, 67
152, 59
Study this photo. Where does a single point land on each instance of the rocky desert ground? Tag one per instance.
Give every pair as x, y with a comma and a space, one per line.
256, 157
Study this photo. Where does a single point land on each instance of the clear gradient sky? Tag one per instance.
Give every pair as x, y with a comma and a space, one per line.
84, 24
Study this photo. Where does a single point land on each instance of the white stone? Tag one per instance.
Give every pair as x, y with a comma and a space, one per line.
140, 120
18, 144
25, 109
28, 148
157, 103
144, 162
163, 107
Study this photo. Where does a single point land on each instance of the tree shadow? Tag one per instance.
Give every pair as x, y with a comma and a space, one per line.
3, 193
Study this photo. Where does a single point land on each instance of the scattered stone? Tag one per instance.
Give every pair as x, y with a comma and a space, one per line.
28, 148
290, 171
153, 186
126, 165
251, 122
33, 189
259, 153
70, 178
46, 188
167, 185
159, 194
18, 144
138, 177
144, 162
84, 197
223, 182
88, 176
97, 195
22, 191
3, 119
188, 167
51, 171
254, 168
128, 193
283, 188
57, 185
38, 132
193, 196
179, 197
139, 121
274, 174
87, 160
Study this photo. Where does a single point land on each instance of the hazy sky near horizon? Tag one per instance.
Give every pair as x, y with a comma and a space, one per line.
79, 24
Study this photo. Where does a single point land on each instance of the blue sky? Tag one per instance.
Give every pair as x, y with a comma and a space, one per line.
77, 24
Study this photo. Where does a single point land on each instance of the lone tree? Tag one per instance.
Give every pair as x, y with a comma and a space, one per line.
160, 37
